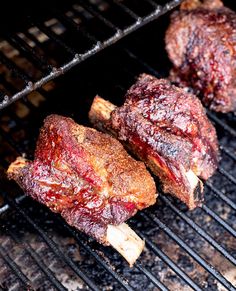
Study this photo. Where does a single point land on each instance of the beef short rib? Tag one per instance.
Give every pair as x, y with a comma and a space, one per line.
89, 179
168, 129
201, 44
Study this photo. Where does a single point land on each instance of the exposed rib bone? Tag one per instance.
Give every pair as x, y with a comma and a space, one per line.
100, 113
125, 241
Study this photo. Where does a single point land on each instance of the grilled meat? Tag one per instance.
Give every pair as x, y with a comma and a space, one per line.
88, 178
168, 129
201, 43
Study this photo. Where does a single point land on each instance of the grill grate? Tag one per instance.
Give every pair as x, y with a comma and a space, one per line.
76, 57
185, 250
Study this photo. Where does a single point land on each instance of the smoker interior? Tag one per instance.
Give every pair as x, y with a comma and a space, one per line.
184, 250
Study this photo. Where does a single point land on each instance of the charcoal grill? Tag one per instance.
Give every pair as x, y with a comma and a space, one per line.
38, 250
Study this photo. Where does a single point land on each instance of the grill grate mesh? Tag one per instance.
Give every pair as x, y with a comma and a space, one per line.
75, 56
204, 239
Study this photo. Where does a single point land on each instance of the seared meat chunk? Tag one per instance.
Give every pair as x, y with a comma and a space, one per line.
201, 44
168, 129
86, 176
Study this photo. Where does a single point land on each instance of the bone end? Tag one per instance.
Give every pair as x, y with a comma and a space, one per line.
100, 112
125, 241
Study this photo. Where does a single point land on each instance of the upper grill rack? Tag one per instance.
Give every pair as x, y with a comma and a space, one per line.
165, 219
28, 42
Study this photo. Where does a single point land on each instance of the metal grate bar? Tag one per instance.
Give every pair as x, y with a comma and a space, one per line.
99, 259
150, 276
16, 270
53, 36
29, 104
29, 53
87, 6
33, 38
9, 87
228, 152
18, 124
141, 62
227, 175
221, 123
125, 9
40, 45
68, 22
55, 249
219, 220
43, 268
11, 142
6, 206
52, 245
190, 251
153, 3
12, 66
200, 231
169, 262
219, 194
79, 58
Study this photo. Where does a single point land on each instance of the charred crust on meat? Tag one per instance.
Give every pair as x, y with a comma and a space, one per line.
84, 175
168, 129
200, 42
